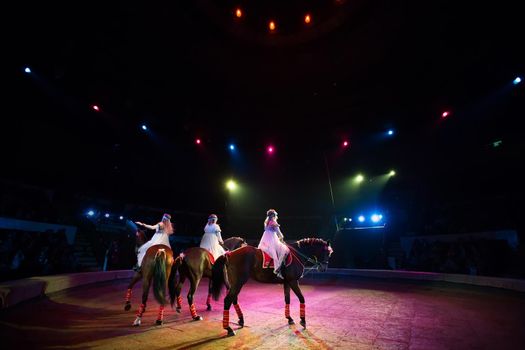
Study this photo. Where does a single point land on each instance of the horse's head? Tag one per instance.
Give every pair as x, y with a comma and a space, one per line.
140, 237
318, 250
233, 243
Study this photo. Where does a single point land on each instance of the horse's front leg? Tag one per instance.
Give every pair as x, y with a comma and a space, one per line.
295, 287
208, 299
287, 303
178, 288
134, 280
239, 312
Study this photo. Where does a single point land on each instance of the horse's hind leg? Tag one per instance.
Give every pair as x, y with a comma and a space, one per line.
134, 280
194, 283
239, 312
178, 288
295, 287
145, 291
228, 300
208, 299
287, 303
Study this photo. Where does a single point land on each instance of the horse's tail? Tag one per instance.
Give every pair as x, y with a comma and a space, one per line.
219, 276
159, 276
173, 277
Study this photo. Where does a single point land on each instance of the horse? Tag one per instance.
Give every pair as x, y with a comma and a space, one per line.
193, 264
140, 239
233, 270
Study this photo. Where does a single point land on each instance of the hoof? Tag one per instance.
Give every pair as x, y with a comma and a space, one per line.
303, 323
127, 307
241, 322
208, 308
159, 322
197, 318
290, 321
178, 310
231, 333
137, 322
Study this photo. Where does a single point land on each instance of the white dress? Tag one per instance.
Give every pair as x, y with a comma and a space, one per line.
271, 244
160, 237
211, 239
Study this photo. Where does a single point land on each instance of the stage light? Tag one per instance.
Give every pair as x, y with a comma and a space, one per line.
390, 132
90, 213
445, 114
307, 19
497, 143
238, 13
375, 218
121, 217
144, 127
270, 149
516, 81
346, 143
232, 147
392, 173
27, 70
272, 26
359, 178
345, 219
198, 141
106, 215
231, 185
96, 108
361, 218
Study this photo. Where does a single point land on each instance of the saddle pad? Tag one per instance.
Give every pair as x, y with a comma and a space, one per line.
268, 261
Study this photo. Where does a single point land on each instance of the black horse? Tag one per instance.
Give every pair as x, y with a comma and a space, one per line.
233, 270
193, 264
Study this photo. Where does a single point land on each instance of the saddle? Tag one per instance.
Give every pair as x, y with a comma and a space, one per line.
267, 261
212, 259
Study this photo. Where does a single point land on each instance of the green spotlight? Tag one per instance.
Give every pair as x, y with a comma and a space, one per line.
392, 173
359, 178
231, 185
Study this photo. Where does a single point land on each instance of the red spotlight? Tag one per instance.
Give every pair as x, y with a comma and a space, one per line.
346, 143
95, 108
445, 114
270, 149
198, 141
307, 19
238, 13
272, 26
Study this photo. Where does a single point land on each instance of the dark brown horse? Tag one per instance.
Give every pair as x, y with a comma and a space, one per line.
194, 264
156, 268
234, 270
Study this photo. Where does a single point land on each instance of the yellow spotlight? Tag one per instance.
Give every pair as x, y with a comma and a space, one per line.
392, 173
238, 13
307, 19
231, 185
272, 26
359, 178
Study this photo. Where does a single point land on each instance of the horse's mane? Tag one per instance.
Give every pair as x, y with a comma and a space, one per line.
311, 241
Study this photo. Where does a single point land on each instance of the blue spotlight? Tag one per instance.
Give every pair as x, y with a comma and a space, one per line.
144, 127
90, 213
361, 218
516, 81
390, 132
232, 147
376, 217
27, 70
345, 219
121, 217
106, 215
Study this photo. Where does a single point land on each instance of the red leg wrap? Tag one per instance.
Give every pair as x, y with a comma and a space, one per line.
128, 295
287, 310
302, 310
161, 313
142, 308
179, 301
226, 319
238, 310
193, 311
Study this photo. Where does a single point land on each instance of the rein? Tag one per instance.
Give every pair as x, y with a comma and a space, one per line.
315, 263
